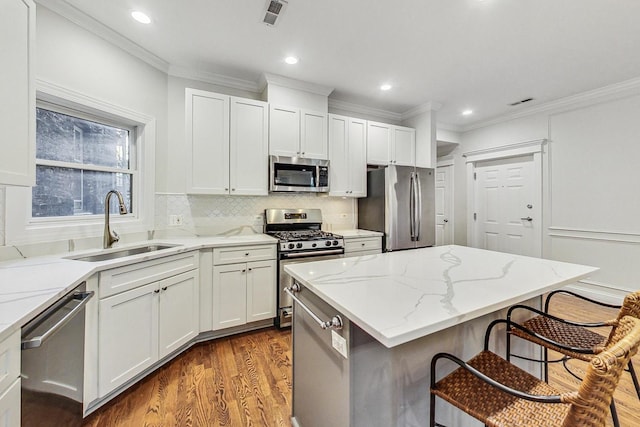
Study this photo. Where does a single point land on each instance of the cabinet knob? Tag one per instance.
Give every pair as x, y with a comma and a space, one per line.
246, 254
250, 269
362, 244
164, 289
156, 291
233, 189
303, 153
244, 270
226, 189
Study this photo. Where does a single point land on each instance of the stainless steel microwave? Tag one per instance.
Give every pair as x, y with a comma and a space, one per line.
296, 174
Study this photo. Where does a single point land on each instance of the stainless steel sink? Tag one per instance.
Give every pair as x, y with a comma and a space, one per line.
105, 256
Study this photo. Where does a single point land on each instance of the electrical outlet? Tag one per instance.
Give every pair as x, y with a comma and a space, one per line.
175, 220
339, 344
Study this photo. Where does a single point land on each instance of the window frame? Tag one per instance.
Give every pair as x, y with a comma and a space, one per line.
133, 168
22, 228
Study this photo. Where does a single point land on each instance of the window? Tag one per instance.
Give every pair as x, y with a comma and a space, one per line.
79, 158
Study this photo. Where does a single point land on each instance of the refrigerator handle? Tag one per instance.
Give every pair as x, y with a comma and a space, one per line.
418, 214
412, 207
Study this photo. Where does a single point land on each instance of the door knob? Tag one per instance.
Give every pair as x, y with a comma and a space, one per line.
445, 220
528, 218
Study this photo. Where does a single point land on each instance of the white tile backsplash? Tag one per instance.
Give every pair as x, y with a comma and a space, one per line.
229, 215
202, 215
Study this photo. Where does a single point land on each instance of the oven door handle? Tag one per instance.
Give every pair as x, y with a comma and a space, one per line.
82, 297
312, 254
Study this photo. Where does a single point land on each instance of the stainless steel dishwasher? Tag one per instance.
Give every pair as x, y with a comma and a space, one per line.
52, 367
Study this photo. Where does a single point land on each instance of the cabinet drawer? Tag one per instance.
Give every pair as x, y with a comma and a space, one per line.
132, 276
237, 254
366, 244
9, 360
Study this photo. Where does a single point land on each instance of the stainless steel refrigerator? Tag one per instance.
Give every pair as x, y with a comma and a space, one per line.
400, 203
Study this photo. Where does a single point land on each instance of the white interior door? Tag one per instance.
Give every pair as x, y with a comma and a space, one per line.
507, 206
444, 205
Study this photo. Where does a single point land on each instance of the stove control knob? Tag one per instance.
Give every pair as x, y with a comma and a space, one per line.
328, 243
291, 245
298, 245
335, 243
313, 245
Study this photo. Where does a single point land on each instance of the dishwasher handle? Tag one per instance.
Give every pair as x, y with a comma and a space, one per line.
334, 323
82, 297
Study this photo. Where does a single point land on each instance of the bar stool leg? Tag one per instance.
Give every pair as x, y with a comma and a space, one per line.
432, 410
614, 414
634, 378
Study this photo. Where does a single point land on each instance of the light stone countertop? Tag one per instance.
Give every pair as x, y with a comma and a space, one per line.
397, 297
29, 286
352, 234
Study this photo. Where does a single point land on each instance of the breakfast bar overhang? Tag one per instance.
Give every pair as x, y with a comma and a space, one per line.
398, 309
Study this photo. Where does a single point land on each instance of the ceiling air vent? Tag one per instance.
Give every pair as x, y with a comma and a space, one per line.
522, 101
274, 9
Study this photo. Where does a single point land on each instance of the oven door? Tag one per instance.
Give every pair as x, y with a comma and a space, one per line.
284, 280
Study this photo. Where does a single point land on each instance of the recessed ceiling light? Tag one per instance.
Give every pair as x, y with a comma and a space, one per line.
385, 86
140, 17
291, 60
467, 112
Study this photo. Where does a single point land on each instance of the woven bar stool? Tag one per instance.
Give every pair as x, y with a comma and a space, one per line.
500, 394
570, 338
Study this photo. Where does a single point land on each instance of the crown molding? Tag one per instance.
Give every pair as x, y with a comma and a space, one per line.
610, 92
421, 109
213, 78
363, 109
83, 20
295, 84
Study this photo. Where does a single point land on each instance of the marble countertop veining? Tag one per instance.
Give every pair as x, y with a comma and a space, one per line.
28, 286
397, 297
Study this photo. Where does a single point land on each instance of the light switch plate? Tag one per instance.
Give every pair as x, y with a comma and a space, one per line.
339, 343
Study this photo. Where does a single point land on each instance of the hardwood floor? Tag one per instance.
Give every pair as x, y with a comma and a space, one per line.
245, 380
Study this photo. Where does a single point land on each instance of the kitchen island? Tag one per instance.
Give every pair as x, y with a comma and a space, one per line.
398, 309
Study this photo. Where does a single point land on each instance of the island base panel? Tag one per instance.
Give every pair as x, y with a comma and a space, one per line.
380, 386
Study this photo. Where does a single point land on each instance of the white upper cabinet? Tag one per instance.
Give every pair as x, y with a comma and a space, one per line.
297, 133
249, 148
347, 155
207, 134
227, 145
17, 92
390, 145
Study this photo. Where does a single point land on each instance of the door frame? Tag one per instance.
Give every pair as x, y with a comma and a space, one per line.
534, 148
443, 162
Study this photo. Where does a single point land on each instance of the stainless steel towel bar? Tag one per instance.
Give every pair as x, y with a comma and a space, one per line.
334, 323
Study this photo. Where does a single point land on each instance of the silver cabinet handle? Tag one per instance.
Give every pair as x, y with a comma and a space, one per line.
83, 297
334, 323
528, 218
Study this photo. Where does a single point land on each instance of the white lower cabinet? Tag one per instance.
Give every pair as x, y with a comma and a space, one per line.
362, 246
138, 327
10, 406
243, 292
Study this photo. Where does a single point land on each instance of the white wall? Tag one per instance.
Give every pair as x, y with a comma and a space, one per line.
592, 196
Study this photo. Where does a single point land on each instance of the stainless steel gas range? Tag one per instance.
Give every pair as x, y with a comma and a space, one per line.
301, 239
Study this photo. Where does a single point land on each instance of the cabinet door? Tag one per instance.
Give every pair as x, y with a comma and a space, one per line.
338, 156
178, 311
249, 149
357, 158
17, 92
313, 135
261, 290
284, 131
207, 137
404, 145
229, 295
10, 406
378, 143
127, 336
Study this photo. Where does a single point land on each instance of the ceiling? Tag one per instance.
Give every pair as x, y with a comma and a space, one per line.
456, 54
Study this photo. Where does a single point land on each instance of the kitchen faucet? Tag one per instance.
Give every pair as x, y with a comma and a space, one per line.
110, 237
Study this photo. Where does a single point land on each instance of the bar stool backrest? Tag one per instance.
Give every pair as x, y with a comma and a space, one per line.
630, 307
590, 404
